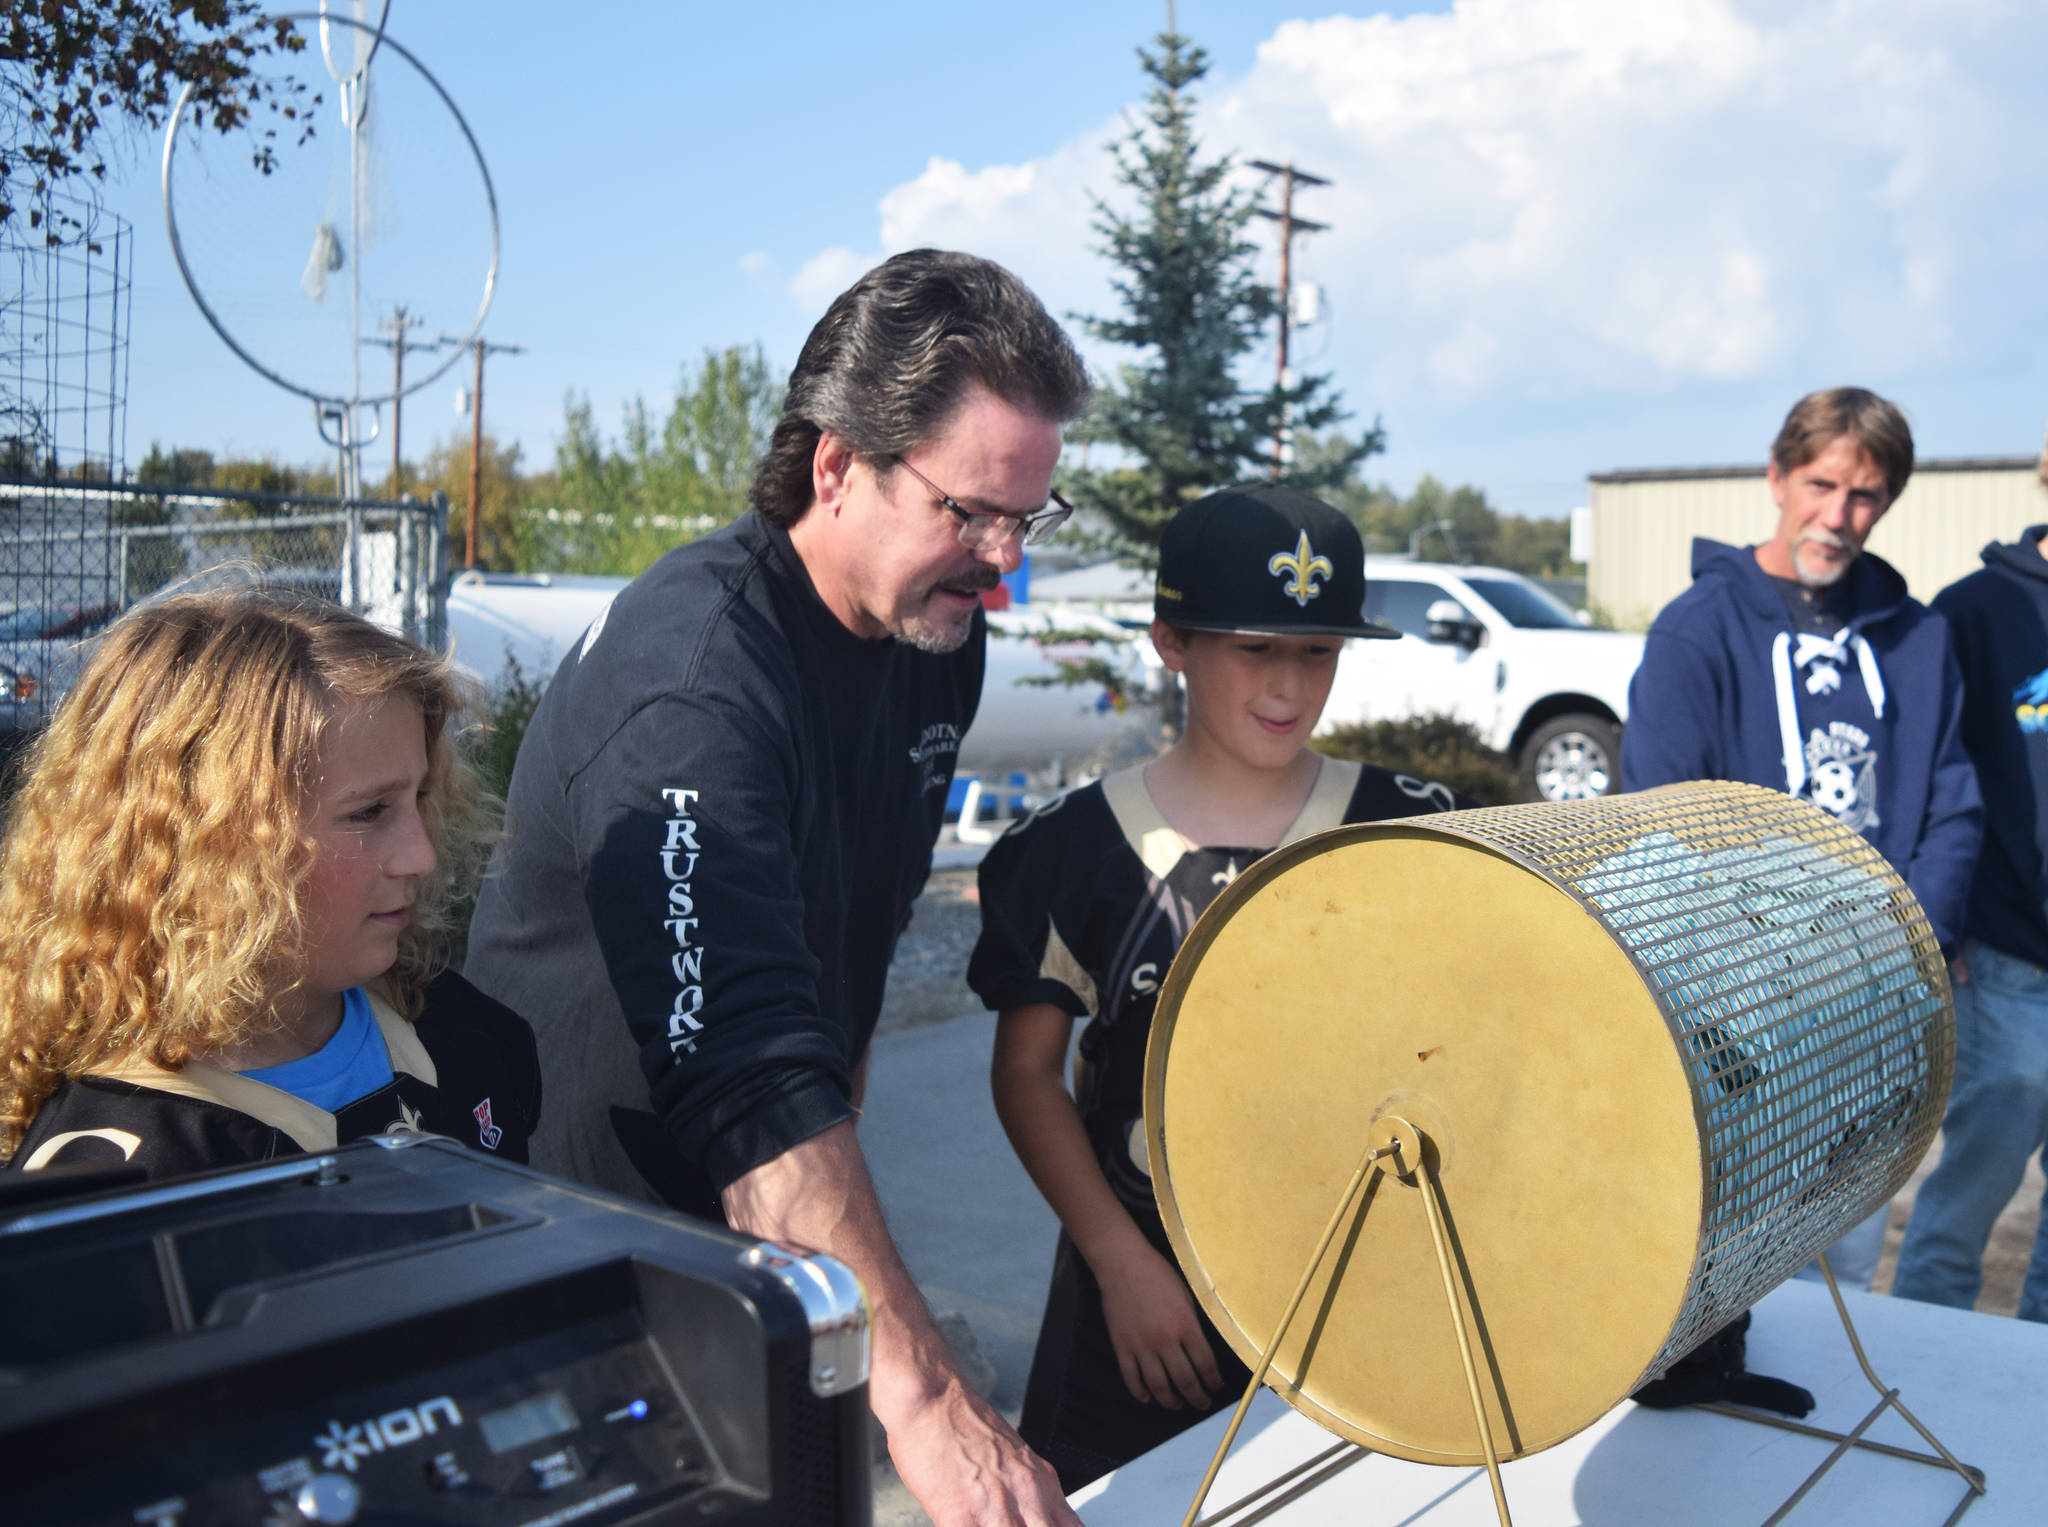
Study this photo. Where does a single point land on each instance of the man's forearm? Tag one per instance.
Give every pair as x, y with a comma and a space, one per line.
818, 1196
960, 1459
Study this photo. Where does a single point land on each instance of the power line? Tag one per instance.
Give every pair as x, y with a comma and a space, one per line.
396, 326
483, 347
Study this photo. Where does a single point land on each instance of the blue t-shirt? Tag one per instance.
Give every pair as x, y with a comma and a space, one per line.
353, 1064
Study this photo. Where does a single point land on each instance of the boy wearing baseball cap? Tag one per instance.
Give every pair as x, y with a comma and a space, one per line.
1083, 907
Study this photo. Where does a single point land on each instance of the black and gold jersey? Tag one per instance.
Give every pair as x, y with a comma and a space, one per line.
466, 1069
1085, 902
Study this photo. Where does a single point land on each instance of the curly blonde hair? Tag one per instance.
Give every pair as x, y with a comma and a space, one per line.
150, 879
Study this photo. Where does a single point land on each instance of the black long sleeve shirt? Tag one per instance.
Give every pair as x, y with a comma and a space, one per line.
721, 814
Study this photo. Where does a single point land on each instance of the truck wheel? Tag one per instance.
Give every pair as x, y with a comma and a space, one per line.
1573, 758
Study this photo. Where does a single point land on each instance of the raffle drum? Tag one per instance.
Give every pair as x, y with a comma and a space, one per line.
1647, 1055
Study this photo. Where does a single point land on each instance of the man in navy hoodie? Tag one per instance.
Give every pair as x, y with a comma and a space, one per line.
1803, 664
1998, 1109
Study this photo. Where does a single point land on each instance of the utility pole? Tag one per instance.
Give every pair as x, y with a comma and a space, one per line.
396, 326
1290, 225
483, 347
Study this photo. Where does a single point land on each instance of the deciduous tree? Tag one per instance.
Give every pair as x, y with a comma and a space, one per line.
75, 76
503, 500
1445, 524
617, 508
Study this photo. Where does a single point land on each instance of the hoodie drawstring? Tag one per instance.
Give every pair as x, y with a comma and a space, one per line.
1784, 660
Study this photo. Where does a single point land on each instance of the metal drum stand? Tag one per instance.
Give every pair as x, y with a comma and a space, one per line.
1639, 1059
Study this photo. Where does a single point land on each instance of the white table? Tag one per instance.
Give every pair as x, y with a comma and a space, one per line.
1978, 1382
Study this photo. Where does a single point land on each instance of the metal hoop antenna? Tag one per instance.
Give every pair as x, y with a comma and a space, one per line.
363, 68
192, 285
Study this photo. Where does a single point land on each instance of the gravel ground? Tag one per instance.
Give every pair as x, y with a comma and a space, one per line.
928, 981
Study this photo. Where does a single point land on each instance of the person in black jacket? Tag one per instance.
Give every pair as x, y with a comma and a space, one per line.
230, 881
727, 800
1998, 1108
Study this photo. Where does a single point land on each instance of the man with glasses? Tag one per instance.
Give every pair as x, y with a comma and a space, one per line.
726, 804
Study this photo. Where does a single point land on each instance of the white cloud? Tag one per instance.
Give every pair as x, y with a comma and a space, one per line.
828, 273
1033, 217
1599, 191
756, 263
946, 189
1549, 200
1584, 195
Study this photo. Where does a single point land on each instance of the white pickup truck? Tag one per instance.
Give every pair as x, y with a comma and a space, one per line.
1491, 648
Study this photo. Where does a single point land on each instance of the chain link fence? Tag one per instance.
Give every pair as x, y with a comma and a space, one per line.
74, 556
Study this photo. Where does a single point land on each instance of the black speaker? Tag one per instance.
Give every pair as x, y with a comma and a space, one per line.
407, 1331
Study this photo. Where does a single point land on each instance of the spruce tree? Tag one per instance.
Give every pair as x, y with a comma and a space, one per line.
1193, 307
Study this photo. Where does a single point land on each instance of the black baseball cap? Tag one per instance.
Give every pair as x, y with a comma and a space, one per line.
1263, 558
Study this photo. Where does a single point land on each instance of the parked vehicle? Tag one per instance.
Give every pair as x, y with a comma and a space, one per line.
1054, 731
40, 650
1491, 648
532, 619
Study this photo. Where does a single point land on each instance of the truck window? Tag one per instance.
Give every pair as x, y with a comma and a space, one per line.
1524, 604
1400, 603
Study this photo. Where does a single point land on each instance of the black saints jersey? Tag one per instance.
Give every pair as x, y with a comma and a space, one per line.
466, 1069
1085, 902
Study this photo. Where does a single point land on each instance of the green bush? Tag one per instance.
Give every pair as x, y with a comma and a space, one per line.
492, 747
1431, 747
510, 699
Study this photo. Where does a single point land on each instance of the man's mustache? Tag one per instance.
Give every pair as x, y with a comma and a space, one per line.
980, 581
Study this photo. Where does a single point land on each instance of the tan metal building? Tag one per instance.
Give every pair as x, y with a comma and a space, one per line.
1644, 524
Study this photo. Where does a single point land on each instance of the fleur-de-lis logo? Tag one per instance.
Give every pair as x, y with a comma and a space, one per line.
1305, 566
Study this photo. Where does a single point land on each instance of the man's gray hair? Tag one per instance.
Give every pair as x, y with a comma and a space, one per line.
897, 352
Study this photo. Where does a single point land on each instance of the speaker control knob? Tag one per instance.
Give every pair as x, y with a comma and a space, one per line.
330, 1499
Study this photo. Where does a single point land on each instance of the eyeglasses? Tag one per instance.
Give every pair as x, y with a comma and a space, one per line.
989, 529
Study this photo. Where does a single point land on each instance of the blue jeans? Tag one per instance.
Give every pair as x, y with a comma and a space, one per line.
1997, 1118
1853, 1258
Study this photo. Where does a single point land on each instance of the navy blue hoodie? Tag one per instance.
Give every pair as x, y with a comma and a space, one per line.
1866, 723
1999, 616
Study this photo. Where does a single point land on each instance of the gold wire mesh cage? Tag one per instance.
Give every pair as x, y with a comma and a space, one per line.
1661, 1050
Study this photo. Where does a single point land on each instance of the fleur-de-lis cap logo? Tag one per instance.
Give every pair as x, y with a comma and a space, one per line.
1301, 567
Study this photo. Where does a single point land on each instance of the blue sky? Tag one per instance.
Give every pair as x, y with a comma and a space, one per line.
1569, 235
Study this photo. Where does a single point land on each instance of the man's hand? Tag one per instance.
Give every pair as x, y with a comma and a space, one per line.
961, 1460
1159, 1342
967, 1468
